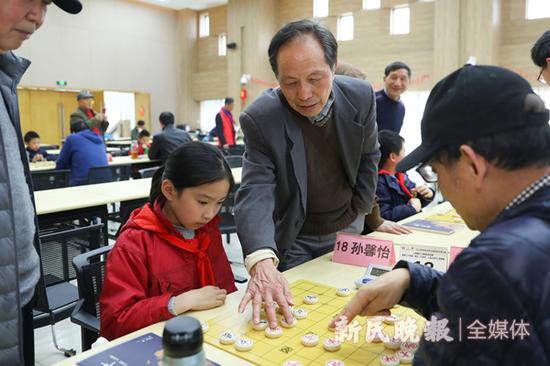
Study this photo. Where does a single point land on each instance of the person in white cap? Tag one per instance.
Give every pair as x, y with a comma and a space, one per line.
19, 261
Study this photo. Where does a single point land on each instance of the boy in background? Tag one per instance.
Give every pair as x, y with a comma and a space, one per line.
144, 141
34, 151
398, 197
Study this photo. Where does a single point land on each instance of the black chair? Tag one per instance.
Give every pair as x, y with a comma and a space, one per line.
106, 174
56, 296
49, 179
148, 172
227, 225
235, 150
90, 270
234, 161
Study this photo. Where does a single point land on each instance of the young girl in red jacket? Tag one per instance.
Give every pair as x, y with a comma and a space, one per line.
169, 257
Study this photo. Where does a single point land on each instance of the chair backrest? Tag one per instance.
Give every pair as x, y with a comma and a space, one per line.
50, 179
55, 295
100, 174
235, 150
105, 174
227, 225
234, 161
59, 248
148, 172
90, 271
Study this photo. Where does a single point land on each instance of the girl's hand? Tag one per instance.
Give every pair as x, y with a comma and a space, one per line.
207, 297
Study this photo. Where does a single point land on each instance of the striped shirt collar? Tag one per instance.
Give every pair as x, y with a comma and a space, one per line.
542, 182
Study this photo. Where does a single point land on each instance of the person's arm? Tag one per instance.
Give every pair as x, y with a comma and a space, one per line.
65, 155
254, 206
365, 184
219, 129
387, 209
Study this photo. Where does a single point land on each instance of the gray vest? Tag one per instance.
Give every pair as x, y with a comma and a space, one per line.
19, 261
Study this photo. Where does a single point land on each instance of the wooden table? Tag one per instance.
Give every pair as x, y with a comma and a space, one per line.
62, 199
58, 151
117, 160
460, 238
333, 274
321, 270
42, 165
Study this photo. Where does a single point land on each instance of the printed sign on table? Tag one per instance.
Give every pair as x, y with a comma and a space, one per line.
434, 257
361, 251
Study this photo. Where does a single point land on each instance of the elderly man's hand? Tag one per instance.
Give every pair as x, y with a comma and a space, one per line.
377, 296
267, 285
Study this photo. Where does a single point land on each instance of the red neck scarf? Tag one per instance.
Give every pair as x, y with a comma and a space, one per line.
153, 219
400, 180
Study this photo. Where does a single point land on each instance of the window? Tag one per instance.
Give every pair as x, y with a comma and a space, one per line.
121, 110
536, 9
344, 30
222, 45
371, 4
320, 8
209, 109
399, 20
204, 25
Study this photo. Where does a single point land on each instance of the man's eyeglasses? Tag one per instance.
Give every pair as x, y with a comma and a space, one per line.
540, 79
427, 173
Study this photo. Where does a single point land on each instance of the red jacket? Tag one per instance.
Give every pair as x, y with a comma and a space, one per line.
143, 271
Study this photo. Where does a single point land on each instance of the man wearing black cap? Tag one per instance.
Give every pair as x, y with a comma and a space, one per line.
486, 141
19, 264
85, 113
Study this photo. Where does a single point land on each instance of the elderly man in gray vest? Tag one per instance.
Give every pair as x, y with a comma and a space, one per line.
310, 167
19, 261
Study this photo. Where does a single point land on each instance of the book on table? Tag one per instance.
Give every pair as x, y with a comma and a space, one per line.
430, 226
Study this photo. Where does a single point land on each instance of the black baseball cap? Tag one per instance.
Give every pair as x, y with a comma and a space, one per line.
84, 94
470, 103
70, 6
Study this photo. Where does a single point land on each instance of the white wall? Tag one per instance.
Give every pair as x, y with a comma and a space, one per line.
111, 45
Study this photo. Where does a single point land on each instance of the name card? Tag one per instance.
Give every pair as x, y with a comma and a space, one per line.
434, 257
454, 252
361, 251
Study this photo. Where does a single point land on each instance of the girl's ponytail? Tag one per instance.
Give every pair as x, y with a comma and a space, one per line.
156, 183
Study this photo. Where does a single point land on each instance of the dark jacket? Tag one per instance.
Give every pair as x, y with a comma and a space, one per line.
393, 201
166, 142
503, 275
81, 151
389, 113
273, 192
79, 116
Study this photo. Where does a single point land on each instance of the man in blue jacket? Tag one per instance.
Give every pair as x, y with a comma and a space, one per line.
491, 159
82, 150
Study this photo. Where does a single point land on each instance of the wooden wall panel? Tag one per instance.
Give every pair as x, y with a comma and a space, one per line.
23, 95
209, 85
143, 109
517, 37
218, 20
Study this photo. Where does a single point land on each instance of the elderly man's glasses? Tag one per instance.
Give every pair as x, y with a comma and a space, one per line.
427, 173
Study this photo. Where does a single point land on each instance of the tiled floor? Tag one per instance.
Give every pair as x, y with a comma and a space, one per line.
68, 334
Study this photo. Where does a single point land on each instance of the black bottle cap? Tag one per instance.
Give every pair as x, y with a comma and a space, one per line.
182, 337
